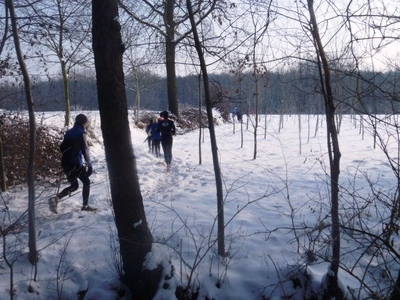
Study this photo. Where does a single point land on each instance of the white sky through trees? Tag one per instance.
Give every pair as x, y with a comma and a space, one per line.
366, 33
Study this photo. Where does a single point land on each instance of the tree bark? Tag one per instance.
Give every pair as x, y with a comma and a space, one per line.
64, 70
170, 57
3, 177
332, 287
214, 147
32, 138
396, 289
134, 235
65, 76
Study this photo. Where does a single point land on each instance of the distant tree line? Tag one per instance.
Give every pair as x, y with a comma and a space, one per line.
290, 92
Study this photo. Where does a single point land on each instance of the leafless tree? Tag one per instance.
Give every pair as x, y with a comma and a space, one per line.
33, 257
332, 286
4, 65
168, 20
214, 148
140, 56
259, 70
60, 30
134, 235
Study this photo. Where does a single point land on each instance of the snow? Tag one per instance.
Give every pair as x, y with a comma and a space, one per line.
284, 187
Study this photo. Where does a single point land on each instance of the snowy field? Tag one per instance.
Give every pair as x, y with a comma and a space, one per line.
284, 188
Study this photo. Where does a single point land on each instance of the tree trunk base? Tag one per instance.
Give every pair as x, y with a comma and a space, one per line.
332, 290
145, 285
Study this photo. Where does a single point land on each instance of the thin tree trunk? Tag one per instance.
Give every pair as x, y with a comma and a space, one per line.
170, 56
308, 128
332, 287
2, 169
66, 93
257, 99
265, 125
299, 121
64, 69
214, 148
137, 95
33, 258
134, 235
241, 132
233, 124
200, 120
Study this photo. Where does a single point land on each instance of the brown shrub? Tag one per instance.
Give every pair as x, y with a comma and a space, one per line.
14, 131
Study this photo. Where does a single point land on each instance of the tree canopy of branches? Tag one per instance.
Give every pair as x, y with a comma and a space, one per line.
168, 20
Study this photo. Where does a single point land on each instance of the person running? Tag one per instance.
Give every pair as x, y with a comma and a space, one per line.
167, 130
156, 136
149, 139
74, 148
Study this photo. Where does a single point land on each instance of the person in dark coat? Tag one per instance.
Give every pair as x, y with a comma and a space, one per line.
167, 130
156, 136
149, 135
74, 149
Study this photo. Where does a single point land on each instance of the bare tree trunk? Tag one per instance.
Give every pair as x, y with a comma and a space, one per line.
241, 132
299, 121
134, 235
137, 97
200, 120
65, 76
3, 177
64, 70
265, 125
396, 289
2, 165
256, 79
258, 71
33, 258
255, 135
170, 56
332, 287
316, 126
233, 124
214, 148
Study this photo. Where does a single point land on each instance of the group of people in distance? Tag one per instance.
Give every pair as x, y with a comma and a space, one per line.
160, 131
76, 162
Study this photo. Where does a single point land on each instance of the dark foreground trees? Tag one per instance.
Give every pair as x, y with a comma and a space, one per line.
134, 235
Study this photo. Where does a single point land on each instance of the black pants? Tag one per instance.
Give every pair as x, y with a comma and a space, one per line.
149, 143
156, 147
166, 143
73, 173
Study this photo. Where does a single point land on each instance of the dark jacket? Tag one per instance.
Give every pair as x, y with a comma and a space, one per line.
74, 147
166, 127
149, 129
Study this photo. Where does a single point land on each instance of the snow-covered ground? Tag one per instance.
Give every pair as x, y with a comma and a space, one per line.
285, 186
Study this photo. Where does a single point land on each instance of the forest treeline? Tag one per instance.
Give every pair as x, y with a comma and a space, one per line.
289, 92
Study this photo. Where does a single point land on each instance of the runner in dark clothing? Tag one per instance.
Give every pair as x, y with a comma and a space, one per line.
149, 132
156, 136
167, 130
74, 148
